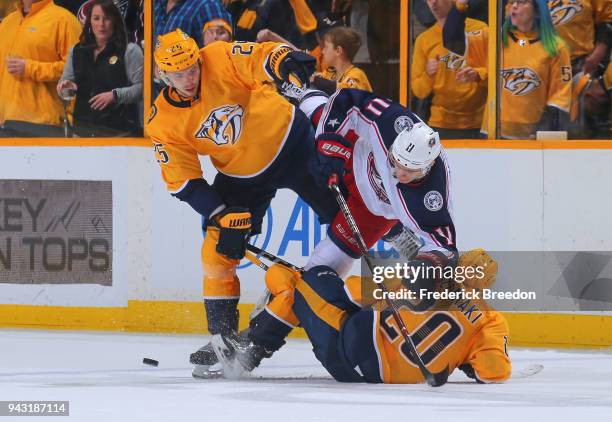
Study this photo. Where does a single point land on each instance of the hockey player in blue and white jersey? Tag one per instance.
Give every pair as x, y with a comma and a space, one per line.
394, 171
396, 180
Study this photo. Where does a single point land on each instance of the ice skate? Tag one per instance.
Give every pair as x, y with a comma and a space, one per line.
207, 365
238, 354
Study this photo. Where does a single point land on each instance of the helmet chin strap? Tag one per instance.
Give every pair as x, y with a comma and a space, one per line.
394, 166
165, 79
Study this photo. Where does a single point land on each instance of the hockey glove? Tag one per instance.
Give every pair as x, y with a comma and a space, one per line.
333, 152
235, 225
296, 68
404, 241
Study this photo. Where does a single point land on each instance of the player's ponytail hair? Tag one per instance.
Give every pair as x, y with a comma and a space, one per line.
542, 24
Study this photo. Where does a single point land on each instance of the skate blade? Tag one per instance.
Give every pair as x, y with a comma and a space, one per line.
231, 367
208, 371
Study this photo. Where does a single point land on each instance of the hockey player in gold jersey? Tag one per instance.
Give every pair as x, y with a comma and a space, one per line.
356, 342
222, 102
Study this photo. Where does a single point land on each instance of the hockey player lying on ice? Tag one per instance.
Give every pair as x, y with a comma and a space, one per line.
357, 343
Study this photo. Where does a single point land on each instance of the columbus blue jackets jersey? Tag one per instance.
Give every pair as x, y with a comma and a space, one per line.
372, 123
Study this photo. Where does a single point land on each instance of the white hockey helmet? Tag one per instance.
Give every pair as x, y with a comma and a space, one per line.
416, 148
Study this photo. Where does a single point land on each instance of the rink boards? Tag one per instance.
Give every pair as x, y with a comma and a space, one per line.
69, 260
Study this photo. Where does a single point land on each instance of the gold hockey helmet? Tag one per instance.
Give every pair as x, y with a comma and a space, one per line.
175, 51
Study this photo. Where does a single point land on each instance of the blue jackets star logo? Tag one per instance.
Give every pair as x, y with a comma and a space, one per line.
333, 123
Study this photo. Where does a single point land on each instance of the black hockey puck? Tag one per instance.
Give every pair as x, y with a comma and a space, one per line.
151, 362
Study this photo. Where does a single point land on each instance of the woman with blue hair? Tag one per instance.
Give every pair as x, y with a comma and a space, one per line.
535, 68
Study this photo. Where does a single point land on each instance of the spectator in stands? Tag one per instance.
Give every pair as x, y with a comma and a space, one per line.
34, 44
131, 12
324, 25
590, 112
338, 51
188, 15
536, 72
290, 20
458, 91
105, 72
216, 30
584, 25
535, 68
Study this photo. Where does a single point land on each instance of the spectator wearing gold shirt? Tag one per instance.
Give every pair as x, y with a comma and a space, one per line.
339, 46
458, 90
35, 40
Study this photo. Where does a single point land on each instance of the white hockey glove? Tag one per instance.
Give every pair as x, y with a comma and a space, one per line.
404, 241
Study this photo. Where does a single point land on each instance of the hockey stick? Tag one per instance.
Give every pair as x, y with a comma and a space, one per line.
265, 297
434, 380
273, 258
255, 260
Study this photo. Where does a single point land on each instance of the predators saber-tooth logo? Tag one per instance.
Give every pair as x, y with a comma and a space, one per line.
563, 11
520, 81
223, 125
452, 61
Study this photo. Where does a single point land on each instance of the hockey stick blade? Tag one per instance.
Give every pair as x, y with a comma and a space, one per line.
437, 379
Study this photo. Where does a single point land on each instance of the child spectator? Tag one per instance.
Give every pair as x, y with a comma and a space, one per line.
338, 50
105, 72
216, 30
34, 44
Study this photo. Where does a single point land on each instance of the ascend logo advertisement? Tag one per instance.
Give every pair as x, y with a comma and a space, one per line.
56, 231
292, 232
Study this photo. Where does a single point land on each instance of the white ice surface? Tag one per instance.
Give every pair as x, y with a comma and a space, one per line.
103, 377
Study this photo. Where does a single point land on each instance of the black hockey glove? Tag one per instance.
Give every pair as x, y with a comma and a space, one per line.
296, 68
234, 224
333, 152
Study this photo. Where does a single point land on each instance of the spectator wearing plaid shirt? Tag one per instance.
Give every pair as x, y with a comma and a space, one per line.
188, 15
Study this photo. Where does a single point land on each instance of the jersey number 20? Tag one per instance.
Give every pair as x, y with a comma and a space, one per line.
429, 326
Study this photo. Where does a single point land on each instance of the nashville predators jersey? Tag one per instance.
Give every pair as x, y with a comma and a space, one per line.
353, 77
454, 105
575, 22
238, 120
463, 332
531, 80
